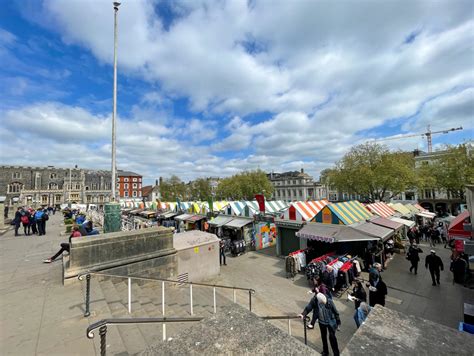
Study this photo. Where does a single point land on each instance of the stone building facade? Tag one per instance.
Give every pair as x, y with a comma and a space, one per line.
294, 185
52, 186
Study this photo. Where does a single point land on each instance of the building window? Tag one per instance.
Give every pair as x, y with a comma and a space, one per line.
89, 199
57, 198
140, 194
139, 179
135, 185
15, 187
44, 199
134, 193
118, 179
53, 176
16, 175
294, 181
134, 179
53, 186
301, 193
101, 198
125, 194
87, 188
118, 185
126, 185
125, 180
139, 186
93, 186
78, 186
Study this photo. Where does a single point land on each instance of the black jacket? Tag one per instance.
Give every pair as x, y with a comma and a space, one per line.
17, 218
327, 313
413, 253
434, 262
378, 297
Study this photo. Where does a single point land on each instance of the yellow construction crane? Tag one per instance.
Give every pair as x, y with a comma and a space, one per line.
428, 134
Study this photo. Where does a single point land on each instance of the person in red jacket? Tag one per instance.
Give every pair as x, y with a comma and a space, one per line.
64, 245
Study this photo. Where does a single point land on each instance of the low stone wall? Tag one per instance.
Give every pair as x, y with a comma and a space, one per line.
147, 252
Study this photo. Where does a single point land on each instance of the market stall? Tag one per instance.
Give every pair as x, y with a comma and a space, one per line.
345, 213
457, 233
381, 209
239, 231
180, 221
304, 210
402, 210
166, 219
287, 241
215, 225
195, 222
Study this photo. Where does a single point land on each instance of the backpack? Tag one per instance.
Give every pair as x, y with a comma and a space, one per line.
24, 219
45, 217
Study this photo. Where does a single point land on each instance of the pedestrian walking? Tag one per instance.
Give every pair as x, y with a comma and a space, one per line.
17, 220
45, 218
328, 278
434, 263
319, 287
328, 320
377, 292
361, 313
222, 246
33, 228
414, 257
25, 220
458, 268
39, 222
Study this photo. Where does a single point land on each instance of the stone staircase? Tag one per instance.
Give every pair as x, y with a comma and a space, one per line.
109, 299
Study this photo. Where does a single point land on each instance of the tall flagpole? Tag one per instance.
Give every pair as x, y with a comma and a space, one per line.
114, 111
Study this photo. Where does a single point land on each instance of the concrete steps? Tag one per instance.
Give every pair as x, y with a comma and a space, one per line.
109, 299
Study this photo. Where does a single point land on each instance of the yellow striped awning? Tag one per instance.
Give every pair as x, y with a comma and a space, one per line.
350, 212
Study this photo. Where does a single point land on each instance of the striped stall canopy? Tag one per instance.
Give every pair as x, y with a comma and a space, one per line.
381, 209
217, 206
419, 207
235, 208
401, 209
304, 210
275, 206
412, 208
350, 212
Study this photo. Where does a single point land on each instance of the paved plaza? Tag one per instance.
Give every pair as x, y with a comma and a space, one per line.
41, 316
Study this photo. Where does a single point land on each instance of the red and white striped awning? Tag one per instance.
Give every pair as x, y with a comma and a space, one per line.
304, 210
381, 209
419, 207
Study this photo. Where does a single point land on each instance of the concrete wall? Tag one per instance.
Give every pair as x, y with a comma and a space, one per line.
198, 255
143, 252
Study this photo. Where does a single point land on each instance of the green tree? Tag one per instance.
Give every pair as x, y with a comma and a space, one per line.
172, 188
453, 169
201, 189
244, 186
372, 171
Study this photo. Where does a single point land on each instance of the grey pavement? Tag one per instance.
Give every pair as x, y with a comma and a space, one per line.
410, 294
37, 313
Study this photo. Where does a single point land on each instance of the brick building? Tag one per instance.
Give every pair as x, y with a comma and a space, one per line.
54, 186
129, 184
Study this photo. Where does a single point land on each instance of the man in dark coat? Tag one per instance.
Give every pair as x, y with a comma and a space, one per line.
413, 257
17, 220
434, 263
377, 292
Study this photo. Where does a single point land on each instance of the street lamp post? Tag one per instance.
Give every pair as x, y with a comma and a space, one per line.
112, 219
114, 110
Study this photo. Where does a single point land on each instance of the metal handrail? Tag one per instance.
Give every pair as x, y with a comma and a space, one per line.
162, 280
102, 326
289, 318
80, 277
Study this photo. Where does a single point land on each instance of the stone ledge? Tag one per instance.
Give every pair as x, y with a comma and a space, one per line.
388, 332
232, 331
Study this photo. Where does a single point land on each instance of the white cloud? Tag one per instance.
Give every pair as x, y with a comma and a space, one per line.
325, 71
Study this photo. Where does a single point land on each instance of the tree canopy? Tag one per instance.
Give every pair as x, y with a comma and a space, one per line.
173, 188
372, 171
452, 170
244, 186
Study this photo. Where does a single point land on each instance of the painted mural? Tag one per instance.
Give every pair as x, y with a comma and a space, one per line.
265, 235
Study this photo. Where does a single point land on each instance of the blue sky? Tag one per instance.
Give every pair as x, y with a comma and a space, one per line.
212, 88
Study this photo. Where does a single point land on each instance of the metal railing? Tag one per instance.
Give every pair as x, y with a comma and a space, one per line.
163, 300
102, 326
289, 318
